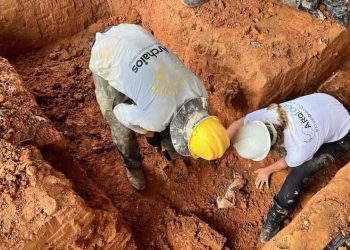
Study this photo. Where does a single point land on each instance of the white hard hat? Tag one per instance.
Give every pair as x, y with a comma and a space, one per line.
253, 141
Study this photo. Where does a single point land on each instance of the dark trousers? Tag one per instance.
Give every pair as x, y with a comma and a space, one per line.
297, 178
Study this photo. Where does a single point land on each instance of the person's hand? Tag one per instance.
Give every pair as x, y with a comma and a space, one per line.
149, 134
262, 178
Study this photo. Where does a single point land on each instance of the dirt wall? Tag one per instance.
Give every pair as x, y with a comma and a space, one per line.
39, 209
338, 84
244, 49
28, 24
227, 44
325, 215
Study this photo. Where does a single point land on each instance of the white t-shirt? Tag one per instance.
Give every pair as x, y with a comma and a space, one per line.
136, 64
312, 121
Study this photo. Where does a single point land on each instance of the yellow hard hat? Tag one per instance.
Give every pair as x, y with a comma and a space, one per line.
208, 139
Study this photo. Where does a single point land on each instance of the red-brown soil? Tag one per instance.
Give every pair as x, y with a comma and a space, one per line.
39, 209
28, 24
59, 78
248, 53
339, 84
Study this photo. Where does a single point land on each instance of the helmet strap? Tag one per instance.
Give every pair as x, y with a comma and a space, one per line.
194, 120
199, 120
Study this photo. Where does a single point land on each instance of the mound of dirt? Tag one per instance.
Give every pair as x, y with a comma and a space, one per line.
39, 209
28, 24
338, 84
21, 118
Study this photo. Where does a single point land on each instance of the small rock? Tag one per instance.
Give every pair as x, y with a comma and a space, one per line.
2, 98
94, 132
37, 72
65, 56
238, 183
74, 53
88, 72
50, 207
11, 178
31, 170
243, 205
255, 30
56, 86
231, 196
97, 149
53, 56
210, 215
79, 97
223, 203
255, 44
62, 116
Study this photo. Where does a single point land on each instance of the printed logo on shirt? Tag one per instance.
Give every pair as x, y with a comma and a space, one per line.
308, 124
144, 58
169, 81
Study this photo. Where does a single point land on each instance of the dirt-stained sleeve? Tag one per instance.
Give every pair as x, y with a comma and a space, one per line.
130, 117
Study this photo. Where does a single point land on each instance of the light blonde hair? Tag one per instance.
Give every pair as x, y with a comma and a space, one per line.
280, 126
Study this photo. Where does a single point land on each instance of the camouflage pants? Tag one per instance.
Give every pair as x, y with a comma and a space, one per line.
337, 8
123, 138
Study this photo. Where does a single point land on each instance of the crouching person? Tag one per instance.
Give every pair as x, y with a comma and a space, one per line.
311, 132
142, 87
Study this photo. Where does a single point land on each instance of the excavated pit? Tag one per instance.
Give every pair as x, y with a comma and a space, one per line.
247, 54
39, 209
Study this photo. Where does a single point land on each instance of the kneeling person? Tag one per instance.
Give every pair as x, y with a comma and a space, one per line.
311, 132
143, 87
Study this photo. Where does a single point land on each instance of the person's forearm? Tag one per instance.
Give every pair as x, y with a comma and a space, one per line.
277, 166
232, 129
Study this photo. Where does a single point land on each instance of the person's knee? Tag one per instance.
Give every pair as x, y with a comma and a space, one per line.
322, 160
106, 105
291, 189
123, 138
297, 174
